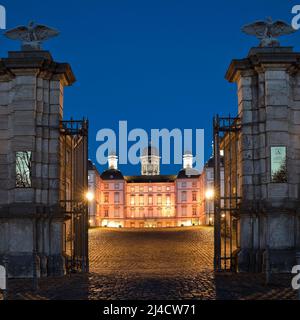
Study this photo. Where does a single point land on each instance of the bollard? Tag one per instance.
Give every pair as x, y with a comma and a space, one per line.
298, 263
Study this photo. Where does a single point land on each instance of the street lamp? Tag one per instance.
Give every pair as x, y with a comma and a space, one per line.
89, 196
209, 195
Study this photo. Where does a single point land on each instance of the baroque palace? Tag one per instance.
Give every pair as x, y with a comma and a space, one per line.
148, 200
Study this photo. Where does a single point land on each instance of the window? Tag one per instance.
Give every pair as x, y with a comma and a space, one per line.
168, 202
150, 189
132, 189
194, 211
159, 189
159, 210
183, 196
117, 212
141, 189
117, 186
106, 186
278, 165
194, 196
150, 212
184, 211
23, 169
168, 188
132, 200
183, 184
141, 212
106, 197
194, 184
141, 200
117, 197
159, 199
168, 211
150, 200
132, 212
106, 212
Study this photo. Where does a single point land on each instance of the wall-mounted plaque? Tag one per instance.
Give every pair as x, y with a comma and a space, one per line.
278, 165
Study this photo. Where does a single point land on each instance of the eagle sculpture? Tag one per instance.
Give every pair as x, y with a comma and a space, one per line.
31, 36
268, 31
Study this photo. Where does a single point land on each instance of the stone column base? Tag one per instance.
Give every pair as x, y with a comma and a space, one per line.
254, 260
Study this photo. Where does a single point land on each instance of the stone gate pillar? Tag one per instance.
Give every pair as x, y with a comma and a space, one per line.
31, 108
268, 83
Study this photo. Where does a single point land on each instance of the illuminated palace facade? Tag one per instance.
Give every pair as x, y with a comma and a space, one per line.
149, 200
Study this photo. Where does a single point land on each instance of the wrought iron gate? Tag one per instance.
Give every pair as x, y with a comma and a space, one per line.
227, 191
74, 185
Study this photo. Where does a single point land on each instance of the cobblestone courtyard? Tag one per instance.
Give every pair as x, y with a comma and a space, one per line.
154, 264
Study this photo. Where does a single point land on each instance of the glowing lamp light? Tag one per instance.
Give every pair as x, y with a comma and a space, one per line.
223, 215
89, 196
209, 194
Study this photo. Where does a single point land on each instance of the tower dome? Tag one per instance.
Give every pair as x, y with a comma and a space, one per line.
150, 161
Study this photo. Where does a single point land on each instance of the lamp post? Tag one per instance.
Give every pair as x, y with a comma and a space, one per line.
209, 195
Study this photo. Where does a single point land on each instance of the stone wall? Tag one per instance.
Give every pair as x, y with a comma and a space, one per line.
31, 108
269, 107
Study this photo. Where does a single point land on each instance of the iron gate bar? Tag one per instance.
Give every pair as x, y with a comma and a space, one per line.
74, 204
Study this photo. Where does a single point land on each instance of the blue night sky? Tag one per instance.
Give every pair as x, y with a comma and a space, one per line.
155, 63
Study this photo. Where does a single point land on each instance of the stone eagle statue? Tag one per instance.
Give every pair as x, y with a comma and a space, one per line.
31, 36
268, 31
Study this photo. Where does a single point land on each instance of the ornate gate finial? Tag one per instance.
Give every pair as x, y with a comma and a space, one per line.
268, 31
32, 35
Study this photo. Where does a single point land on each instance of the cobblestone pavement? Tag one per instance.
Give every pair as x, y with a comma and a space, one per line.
160, 264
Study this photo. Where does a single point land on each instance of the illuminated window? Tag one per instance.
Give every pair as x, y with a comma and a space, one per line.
132, 189
278, 165
117, 197
150, 189
159, 199
132, 212
132, 200
141, 189
168, 202
150, 200
106, 197
168, 212
168, 188
23, 169
141, 200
